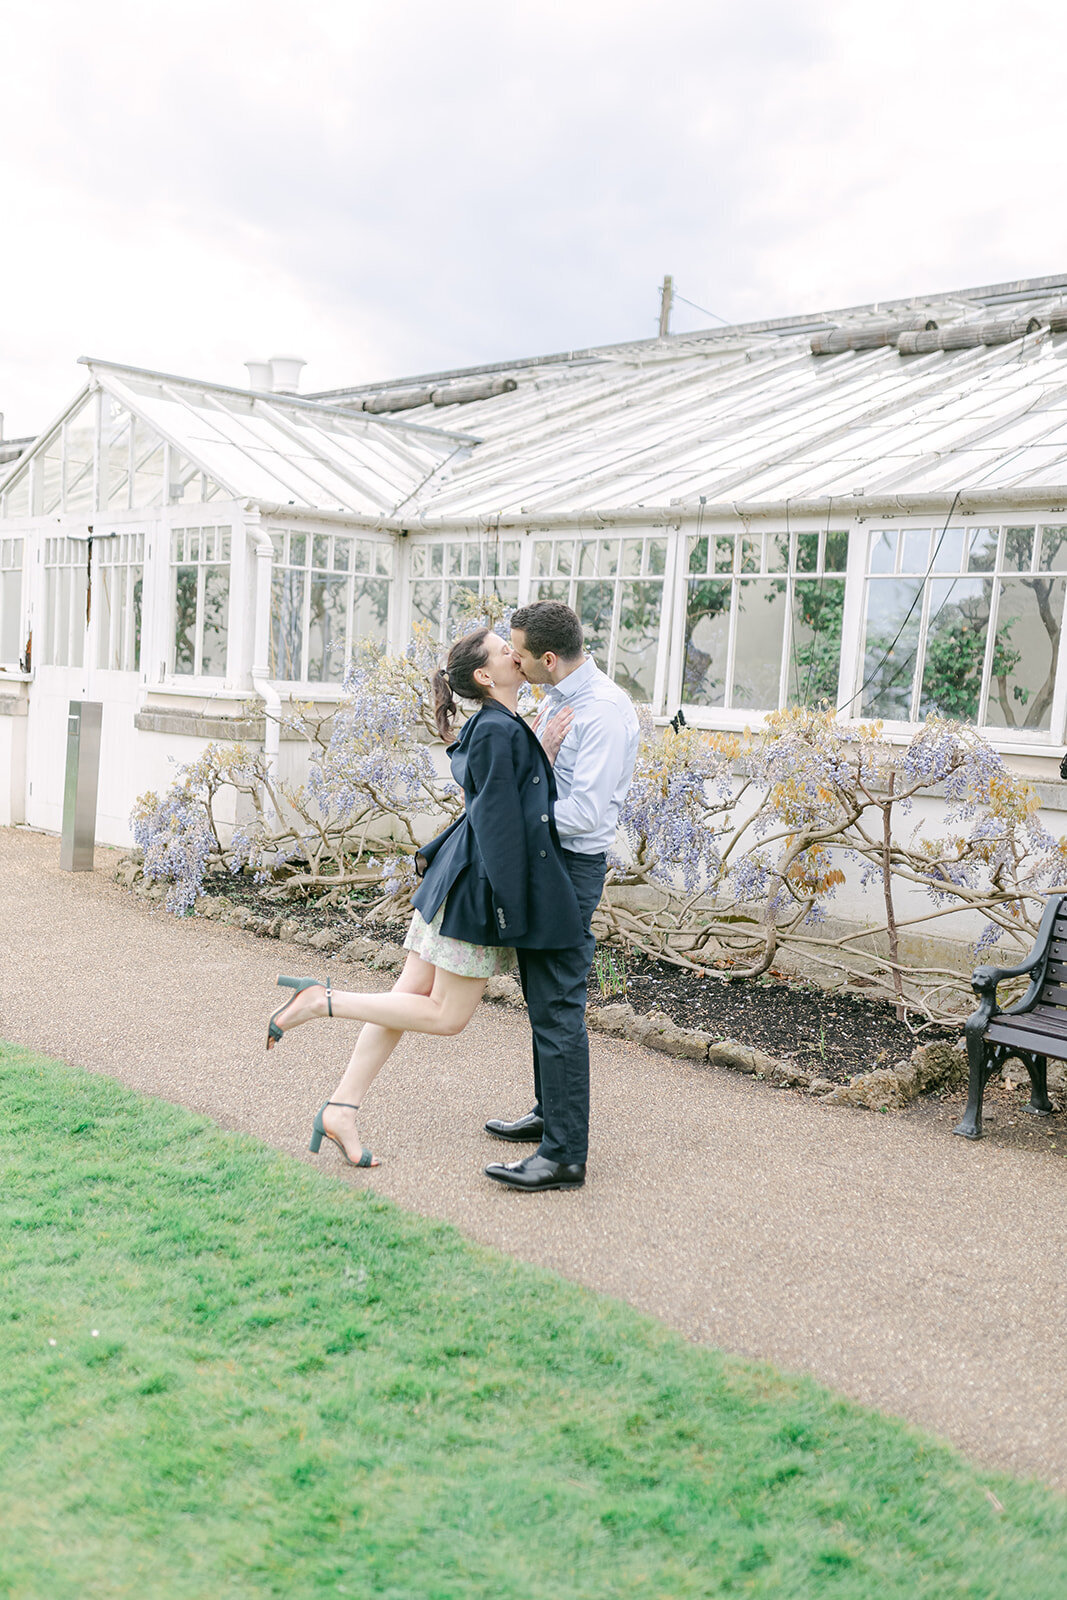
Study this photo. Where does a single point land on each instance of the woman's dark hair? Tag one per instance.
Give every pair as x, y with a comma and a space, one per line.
457, 678
550, 625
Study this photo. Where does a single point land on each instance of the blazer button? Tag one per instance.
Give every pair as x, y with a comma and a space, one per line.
544, 852
537, 780
544, 816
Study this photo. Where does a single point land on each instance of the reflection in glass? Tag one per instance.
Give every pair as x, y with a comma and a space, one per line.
955, 648
185, 620
1054, 548
1018, 549
758, 646
884, 550
836, 556
893, 613
948, 550
983, 551
636, 647
1025, 650
815, 652
286, 623
595, 603
370, 609
216, 619
326, 629
707, 621
426, 605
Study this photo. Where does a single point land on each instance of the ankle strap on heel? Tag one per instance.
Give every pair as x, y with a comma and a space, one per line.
345, 1104
329, 1008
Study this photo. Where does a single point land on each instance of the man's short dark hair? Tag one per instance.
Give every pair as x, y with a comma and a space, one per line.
550, 625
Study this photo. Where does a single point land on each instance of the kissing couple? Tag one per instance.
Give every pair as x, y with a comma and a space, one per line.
515, 879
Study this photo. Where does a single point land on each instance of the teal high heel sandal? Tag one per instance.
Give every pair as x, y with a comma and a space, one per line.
318, 1133
274, 1033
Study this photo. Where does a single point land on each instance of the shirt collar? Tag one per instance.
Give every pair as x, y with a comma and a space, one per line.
575, 681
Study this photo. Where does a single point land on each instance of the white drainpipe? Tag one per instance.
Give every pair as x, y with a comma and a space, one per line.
261, 656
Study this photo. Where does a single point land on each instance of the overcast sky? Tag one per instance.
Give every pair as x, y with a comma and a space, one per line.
400, 186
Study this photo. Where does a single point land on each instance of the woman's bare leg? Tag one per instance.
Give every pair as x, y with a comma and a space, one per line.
373, 1048
445, 1010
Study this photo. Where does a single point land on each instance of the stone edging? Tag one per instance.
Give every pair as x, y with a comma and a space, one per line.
933, 1066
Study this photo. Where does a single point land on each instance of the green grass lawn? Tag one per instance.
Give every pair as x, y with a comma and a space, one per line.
225, 1374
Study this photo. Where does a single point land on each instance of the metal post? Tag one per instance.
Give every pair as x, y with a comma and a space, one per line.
79, 789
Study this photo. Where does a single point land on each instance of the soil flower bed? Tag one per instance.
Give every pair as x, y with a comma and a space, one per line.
840, 1045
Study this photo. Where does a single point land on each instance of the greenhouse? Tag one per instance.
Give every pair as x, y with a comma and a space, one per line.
866, 508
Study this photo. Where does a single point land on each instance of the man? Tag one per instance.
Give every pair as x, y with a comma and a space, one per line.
593, 769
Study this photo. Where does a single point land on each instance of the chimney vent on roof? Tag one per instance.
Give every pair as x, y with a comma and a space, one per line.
285, 373
259, 375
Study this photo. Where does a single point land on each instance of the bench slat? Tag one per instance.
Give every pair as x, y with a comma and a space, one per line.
1055, 971
1042, 1044
1054, 994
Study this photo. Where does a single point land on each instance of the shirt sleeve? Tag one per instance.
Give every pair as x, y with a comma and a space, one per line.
599, 762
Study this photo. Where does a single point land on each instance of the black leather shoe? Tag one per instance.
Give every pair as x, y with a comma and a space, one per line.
537, 1172
529, 1129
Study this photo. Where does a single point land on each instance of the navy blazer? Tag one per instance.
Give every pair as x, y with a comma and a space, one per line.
499, 868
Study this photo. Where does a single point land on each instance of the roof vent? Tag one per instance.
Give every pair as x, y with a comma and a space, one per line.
285, 373
967, 336
259, 375
873, 336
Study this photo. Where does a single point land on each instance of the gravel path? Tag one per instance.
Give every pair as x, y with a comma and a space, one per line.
915, 1272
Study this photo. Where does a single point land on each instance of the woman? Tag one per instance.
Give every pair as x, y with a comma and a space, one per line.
493, 880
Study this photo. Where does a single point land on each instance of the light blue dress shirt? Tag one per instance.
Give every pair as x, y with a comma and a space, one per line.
596, 759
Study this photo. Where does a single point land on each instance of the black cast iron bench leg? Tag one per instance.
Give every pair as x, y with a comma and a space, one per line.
1040, 1104
983, 1062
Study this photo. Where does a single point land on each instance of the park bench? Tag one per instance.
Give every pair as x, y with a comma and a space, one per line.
1032, 1030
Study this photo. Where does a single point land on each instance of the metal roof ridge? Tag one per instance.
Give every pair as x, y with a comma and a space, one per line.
303, 402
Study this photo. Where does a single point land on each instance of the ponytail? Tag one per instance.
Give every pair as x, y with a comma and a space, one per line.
457, 678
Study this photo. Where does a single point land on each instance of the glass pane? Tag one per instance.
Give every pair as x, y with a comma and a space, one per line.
915, 550
78, 472
320, 552
758, 650
79, 591
815, 652
192, 544
595, 603
1018, 549
751, 551
326, 630
472, 560
426, 605
370, 612
777, 547
983, 552
884, 550
894, 610
1053, 549
564, 566
657, 557
636, 648
509, 558
464, 604
10, 616
17, 498
836, 556
383, 560
286, 623
418, 561
133, 659
454, 560
50, 469
948, 550
586, 558
437, 560
185, 620
148, 468
632, 550
807, 552
724, 553
955, 648
707, 623
1029, 614
107, 602
609, 557
541, 590
298, 549
542, 563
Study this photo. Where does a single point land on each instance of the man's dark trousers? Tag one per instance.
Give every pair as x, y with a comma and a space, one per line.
554, 983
